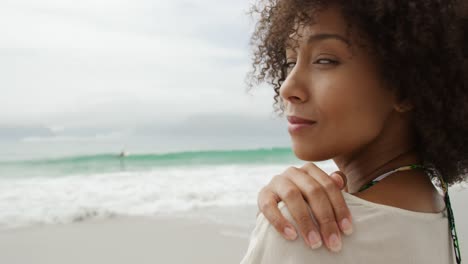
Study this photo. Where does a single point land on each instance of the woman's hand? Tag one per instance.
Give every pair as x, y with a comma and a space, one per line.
298, 187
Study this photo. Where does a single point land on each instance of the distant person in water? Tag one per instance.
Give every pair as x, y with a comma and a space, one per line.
122, 155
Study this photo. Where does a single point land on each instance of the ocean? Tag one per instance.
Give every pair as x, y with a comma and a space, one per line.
79, 187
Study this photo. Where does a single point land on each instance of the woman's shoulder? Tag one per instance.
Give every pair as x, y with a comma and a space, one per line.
366, 211
375, 226
363, 206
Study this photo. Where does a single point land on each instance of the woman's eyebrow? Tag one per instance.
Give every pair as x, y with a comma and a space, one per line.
322, 36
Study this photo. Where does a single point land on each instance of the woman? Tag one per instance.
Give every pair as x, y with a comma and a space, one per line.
380, 87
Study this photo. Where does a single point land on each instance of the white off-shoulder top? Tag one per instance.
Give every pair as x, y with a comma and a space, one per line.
382, 234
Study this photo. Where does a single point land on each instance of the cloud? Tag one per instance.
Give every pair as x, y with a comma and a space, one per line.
123, 63
14, 133
196, 132
211, 125
107, 137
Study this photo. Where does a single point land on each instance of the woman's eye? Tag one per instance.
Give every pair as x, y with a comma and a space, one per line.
326, 61
290, 65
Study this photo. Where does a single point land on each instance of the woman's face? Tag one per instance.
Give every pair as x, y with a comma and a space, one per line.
336, 85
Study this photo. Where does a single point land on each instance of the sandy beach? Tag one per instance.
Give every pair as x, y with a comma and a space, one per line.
125, 240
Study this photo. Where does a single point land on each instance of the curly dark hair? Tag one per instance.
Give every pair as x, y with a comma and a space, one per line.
421, 47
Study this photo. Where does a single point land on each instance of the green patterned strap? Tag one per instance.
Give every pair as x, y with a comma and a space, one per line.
448, 205
403, 168
451, 218
367, 186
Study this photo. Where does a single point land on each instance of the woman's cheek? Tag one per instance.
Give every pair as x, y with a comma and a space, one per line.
345, 119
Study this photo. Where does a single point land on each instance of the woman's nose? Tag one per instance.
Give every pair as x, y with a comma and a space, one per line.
294, 88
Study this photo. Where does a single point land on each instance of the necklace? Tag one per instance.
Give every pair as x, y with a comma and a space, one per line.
446, 199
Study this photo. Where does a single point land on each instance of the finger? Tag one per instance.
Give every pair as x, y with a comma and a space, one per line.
321, 208
297, 206
339, 179
268, 204
340, 208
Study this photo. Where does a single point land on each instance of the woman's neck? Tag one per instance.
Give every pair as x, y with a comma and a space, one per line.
415, 190
372, 161
405, 158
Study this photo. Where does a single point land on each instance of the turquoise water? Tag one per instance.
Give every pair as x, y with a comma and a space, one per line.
73, 188
100, 163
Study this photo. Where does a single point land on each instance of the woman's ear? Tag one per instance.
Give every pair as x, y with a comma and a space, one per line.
399, 99
401, 103
403, 106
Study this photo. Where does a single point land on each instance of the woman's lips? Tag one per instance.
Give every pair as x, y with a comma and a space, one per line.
299, 120
297, 123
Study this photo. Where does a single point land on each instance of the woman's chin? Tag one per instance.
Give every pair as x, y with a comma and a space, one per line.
309, 154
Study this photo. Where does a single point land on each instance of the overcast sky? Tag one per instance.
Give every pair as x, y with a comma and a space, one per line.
74, 69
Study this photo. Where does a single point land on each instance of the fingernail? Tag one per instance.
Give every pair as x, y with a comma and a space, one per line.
335, 243
314, 240
290, 233
346, 226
